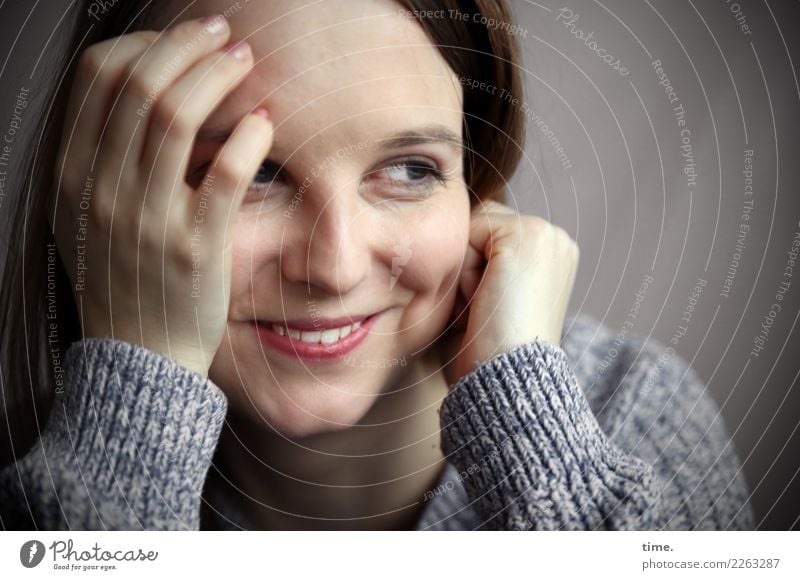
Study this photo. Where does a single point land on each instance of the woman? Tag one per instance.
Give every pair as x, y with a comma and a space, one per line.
290, 281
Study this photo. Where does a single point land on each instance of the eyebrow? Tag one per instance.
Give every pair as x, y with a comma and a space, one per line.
420, 136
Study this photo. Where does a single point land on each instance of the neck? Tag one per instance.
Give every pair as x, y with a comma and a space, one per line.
370, 476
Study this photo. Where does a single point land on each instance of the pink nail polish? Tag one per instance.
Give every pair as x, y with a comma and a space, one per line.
262, 112
240, 50
214, 24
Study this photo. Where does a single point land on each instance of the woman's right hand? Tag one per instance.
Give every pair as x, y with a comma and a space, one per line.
149, 257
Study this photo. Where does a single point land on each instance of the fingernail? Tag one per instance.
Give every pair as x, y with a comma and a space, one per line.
214, 24
240, 50
262, 112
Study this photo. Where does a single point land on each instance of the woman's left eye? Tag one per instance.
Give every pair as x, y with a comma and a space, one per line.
412, 172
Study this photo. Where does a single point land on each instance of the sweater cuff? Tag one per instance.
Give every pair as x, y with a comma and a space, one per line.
531, 453
142, 428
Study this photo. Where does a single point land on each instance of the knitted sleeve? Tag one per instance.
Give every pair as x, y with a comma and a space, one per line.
533, 456
127, 446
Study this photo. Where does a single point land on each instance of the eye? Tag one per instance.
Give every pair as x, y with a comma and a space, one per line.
268, 174
410, 173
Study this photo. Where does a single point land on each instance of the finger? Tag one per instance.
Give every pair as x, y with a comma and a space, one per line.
492, 226
483, 228
459, 314
99, 70
472, 270
184, 107
495, 206
233, 169
173, 53
471, 273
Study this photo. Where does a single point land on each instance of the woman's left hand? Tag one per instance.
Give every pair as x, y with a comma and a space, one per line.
515, 286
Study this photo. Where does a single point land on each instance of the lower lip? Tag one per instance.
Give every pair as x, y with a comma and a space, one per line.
316, 352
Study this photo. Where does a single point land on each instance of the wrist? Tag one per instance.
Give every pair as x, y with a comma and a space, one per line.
190, 357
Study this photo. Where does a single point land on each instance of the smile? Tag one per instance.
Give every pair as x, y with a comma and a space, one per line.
320, 340
317, 336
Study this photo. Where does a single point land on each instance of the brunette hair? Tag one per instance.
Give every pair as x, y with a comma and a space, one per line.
476, 45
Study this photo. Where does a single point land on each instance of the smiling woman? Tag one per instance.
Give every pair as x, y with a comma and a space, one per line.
288, 200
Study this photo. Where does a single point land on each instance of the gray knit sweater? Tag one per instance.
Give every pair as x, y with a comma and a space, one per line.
541, 437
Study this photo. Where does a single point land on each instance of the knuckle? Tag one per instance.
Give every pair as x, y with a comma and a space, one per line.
494, 206
91, 61
145, 38
140, 84
149, 243
181, 254
560, 233
181, 35
564, 240
100, 213
170, 116
129, 231
535, 225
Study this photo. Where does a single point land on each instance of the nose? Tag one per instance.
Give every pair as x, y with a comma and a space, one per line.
327, 250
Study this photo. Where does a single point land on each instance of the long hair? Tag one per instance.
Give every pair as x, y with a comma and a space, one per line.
37, 308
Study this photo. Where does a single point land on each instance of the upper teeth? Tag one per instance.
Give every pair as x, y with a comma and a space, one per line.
327, 336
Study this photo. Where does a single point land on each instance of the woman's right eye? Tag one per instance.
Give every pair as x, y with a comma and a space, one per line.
268, 173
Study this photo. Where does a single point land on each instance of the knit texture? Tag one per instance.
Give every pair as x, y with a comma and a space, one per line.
541, 437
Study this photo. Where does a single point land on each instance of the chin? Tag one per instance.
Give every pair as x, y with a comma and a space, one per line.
299, 406
315, 411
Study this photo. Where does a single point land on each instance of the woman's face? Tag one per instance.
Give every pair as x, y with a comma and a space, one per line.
348, 217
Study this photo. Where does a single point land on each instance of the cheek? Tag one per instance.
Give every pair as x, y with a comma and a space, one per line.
439, 238
435, 245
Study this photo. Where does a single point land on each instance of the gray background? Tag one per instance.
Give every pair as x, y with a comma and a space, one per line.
625, 198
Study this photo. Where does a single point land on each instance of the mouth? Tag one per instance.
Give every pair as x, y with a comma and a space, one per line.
317, 340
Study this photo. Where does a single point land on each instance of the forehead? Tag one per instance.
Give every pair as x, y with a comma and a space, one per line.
336, 63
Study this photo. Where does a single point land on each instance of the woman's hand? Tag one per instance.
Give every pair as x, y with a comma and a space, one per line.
515, 286
149, 256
